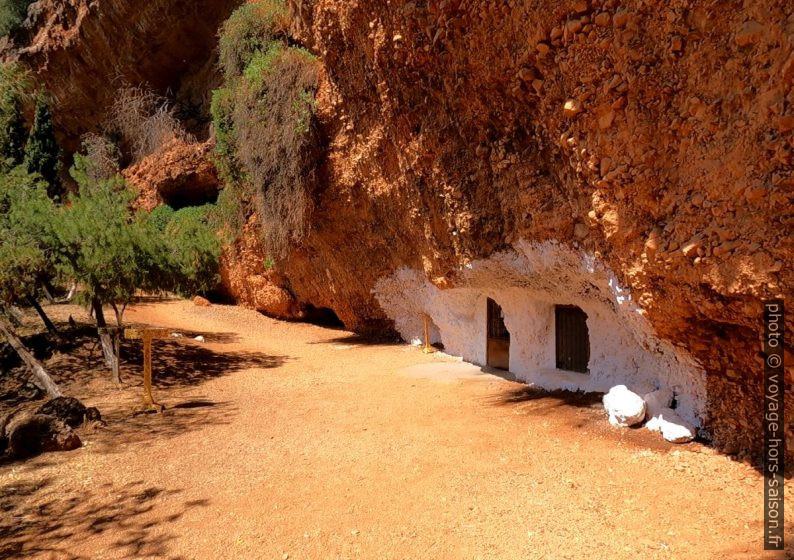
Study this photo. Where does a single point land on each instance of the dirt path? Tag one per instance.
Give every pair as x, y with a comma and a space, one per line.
293, 441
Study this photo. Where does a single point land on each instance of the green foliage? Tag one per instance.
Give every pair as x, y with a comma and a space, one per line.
26, 234
113, 250
100, 240
193, 250
226, 160
227, 216
261, 63
303, 108
276, 138
160, 217
15, 87
42, 154
264, 124
14, 137
250, 29
229, 212
12, 14
106, 246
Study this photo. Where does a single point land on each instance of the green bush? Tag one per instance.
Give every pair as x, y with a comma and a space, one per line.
26, 234
15, 91
276, 141
229, 213
161, 216
250, 29
12, 14
261, 63
194, 250
263, 119
113, 250
192, 245
221, 109
42, 154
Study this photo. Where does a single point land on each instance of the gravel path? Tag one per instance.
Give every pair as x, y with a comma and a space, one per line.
287, 440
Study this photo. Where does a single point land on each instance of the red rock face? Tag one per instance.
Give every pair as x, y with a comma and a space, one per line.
180, 174
248, 277
84, 50
657, 138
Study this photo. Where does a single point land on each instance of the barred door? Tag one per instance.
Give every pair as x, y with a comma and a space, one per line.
573, 338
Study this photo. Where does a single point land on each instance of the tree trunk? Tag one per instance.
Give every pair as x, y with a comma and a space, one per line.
11, 315
117, 363
40, 376
98, 313
119, 311
72, 290
106, 339
46, 288
109, 347
16, 314
47, 323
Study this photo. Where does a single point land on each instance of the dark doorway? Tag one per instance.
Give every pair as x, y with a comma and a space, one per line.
573, 338
498, 349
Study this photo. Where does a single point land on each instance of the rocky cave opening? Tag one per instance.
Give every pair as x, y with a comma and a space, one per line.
189, 191
322, 316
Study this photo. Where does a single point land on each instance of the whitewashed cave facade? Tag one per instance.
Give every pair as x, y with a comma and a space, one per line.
527, 283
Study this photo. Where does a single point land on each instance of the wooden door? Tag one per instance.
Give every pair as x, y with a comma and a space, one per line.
572, 338
498, 344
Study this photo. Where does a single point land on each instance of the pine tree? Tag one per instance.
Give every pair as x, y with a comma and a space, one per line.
12, 15
42, 152
12, 149
113, 249
14, 92
26, 242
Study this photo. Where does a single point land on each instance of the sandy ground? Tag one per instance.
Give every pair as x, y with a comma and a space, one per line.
287, 440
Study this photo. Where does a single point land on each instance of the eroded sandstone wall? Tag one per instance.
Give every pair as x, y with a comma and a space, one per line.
657, 137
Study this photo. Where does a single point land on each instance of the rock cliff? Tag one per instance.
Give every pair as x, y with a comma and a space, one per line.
660, 140
85, 50
655, 140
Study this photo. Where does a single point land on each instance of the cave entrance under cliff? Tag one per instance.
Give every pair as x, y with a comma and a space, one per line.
498, 338
186, 193
322, 316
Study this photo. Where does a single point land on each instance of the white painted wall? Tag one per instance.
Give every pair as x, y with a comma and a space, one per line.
527, 283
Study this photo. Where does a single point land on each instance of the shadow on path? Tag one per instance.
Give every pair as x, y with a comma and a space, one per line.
37, 518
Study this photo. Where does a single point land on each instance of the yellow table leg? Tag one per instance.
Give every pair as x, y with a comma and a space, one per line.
427, 349
148, 399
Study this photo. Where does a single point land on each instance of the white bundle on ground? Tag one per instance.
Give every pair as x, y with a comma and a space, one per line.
662, 418
625, 408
